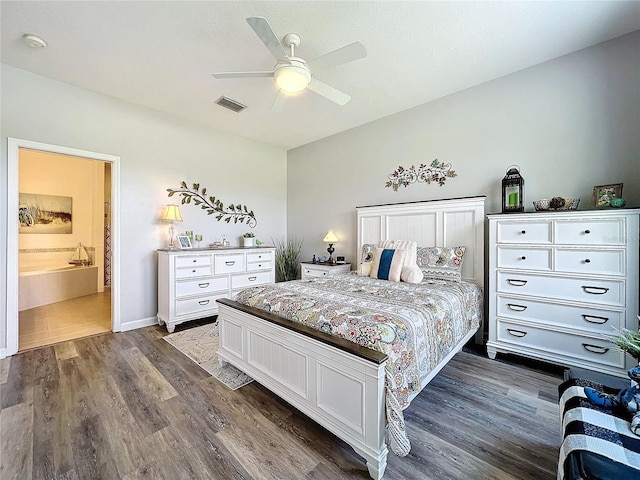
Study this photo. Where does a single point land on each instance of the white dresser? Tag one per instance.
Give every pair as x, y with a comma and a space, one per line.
558, 281
190, 281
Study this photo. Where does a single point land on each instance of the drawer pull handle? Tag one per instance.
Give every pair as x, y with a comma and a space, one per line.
595, 290
259, 265
229, 263
595, 319
516, 283
516, 333
204, 302
193, 271
516, 308
587, 232
523, 258
586, 260
252, 279
203, 285
523, 232
194, 260
595, 348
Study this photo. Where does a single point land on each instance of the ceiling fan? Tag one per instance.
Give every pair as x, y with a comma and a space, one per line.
293, 74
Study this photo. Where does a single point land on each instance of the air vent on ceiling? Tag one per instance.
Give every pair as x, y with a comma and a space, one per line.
230, 104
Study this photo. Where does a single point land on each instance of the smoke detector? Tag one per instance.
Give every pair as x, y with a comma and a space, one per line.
34, 41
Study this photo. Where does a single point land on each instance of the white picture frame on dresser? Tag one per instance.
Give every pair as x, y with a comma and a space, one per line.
559, 282
190, 281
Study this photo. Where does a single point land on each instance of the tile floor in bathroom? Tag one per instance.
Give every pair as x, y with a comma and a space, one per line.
61, 321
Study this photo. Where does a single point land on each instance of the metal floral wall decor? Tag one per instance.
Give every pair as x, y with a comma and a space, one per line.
437, 172
236, 212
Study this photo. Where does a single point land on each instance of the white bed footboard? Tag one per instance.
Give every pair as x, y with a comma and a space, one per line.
335, 382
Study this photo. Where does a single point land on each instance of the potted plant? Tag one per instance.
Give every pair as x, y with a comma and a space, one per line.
627, 341
248, 239
287, 253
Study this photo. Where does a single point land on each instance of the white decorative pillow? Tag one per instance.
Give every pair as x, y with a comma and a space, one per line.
366, 259
411, 274
409, 245
364, 270
441, 263
387, 264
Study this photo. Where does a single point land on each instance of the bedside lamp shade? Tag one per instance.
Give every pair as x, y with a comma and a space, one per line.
330, 238
171, 214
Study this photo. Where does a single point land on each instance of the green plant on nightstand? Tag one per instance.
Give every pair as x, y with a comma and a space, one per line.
248, 235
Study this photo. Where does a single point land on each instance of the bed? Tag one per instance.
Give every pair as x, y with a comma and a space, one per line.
296, 338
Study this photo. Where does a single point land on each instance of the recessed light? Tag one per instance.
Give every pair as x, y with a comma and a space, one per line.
34, 41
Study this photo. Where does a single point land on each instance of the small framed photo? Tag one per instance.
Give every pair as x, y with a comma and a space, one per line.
603, 194
184, 241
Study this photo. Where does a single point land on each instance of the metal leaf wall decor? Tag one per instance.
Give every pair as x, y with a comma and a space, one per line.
437, 172
236, 212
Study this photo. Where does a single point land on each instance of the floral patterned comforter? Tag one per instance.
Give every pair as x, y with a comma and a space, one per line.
416, 325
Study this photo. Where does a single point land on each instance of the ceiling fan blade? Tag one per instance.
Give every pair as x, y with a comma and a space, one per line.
279, 102
242, 74
268, 37
328, 92
345, 54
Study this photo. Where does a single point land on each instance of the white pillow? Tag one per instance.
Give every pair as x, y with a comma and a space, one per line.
411, 274
364, 270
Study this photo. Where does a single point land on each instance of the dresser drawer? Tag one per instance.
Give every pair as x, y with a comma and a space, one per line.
597, 262
609, 231
600, 292
201, 286
595, 320
193, 261
250, 279
524, 232
593, 350
195, 271
228, 263
202, 304
259, 257
255, 266
523, 258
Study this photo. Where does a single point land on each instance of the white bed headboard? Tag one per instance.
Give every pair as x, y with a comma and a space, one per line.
433, 223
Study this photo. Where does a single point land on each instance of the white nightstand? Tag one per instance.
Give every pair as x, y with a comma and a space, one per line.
310, 269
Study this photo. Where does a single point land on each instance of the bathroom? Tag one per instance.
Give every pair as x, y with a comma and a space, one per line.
59, 300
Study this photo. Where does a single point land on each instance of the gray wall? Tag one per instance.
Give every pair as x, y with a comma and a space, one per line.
156, 152
570, 124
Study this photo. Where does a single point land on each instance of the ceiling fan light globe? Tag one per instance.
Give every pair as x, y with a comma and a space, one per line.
292, 78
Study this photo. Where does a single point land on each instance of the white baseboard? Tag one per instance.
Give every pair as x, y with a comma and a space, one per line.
144, 322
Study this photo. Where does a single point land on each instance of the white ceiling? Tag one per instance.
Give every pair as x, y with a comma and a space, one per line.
161, 54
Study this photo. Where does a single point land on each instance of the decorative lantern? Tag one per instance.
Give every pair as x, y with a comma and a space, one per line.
512, 190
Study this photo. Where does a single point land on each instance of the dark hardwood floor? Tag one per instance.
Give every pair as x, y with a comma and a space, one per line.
130, 406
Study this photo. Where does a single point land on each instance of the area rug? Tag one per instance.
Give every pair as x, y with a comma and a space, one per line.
200, 344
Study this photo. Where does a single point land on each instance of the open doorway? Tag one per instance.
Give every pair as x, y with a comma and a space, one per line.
63, 287
43, 310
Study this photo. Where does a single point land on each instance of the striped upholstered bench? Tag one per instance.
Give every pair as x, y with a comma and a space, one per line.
597, 443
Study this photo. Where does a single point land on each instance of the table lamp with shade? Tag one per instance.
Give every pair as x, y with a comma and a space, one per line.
330, 238
171, 214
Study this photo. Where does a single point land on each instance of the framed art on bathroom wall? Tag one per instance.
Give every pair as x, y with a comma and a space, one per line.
49, 214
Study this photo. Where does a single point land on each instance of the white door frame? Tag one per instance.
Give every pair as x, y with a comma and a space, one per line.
13, 158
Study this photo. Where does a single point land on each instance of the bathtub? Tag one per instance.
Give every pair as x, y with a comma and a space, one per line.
38, 286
